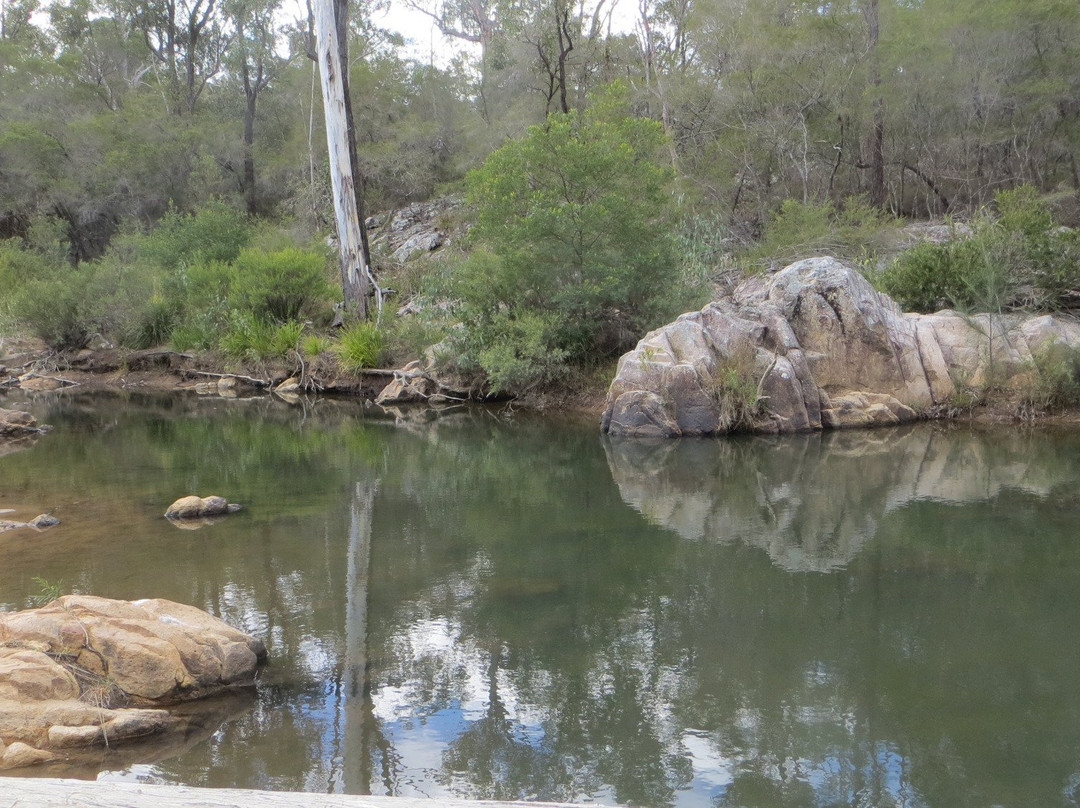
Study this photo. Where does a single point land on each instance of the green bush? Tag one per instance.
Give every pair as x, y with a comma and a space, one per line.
1016, 259
360, 346
314, 345
579, 256
50, 309
252, 338
1057, 385
856, 231
65, 305
279, 285
215, 232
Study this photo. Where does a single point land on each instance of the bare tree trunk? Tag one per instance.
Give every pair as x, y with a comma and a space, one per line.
352, 241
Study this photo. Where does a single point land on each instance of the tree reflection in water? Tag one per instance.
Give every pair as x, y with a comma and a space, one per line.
516, 609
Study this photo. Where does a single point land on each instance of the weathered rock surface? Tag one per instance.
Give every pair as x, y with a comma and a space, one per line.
194, 507
825, 349
86, 671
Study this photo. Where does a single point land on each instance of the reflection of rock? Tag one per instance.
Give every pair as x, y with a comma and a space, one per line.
16, 423
812, 501
69, 670
188, 725
193, 507
823, 349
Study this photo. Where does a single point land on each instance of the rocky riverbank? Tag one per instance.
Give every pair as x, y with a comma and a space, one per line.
815, 346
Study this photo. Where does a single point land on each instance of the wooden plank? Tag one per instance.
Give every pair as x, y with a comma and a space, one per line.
26, 792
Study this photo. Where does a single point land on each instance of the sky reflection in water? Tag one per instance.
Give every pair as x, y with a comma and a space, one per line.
499, 608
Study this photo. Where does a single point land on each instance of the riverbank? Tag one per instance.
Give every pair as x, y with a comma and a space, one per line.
40, 369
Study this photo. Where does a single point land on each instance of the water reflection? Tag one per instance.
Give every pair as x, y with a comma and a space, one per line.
503, 608
813, 501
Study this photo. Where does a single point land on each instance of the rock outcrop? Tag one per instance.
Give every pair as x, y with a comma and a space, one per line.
823, 349
84, 672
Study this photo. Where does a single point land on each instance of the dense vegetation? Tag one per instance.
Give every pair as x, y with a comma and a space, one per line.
163, 176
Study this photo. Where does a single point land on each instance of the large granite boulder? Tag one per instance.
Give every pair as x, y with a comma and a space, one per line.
816, 346
85, 671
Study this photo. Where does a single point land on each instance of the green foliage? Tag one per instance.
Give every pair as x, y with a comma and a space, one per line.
575, 218
279, 285
1057, 383
360, 346
48, 591
734, 386
65, 305
252, 338
314, 345
856, 231
214, 233
1017, 259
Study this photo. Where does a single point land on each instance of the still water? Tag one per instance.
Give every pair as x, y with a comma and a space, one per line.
513, 607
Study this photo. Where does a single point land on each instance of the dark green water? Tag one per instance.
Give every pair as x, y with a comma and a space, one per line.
504, 608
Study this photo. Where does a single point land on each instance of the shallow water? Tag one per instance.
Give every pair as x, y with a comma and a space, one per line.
499, 607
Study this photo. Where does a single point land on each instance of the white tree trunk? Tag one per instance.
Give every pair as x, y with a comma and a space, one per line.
354, 272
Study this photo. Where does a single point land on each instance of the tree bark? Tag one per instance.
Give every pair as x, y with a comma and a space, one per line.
352, 241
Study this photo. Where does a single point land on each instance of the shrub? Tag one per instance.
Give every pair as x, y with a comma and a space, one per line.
1016, 259
279, 285
855, 231
50, 309
249, 337
216, 232
314, 345
579, 256
360, 346
1057, 385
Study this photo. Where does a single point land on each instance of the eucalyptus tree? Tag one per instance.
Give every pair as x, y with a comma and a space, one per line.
329, 19
254, 60
188, 40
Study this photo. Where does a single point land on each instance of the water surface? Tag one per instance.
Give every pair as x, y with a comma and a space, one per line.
513, 607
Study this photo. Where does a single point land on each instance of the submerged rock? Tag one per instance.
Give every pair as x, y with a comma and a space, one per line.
816, 346
39, 522
85, 671
193, 507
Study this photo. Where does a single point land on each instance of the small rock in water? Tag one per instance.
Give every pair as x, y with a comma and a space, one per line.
193, 507
43, 520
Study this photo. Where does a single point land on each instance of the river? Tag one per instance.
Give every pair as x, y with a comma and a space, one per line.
504, 606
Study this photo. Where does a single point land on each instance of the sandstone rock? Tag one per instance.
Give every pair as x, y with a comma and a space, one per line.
145, 653
19, 754
822, 348
194, 507
33, 382
27, 675
290, 385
